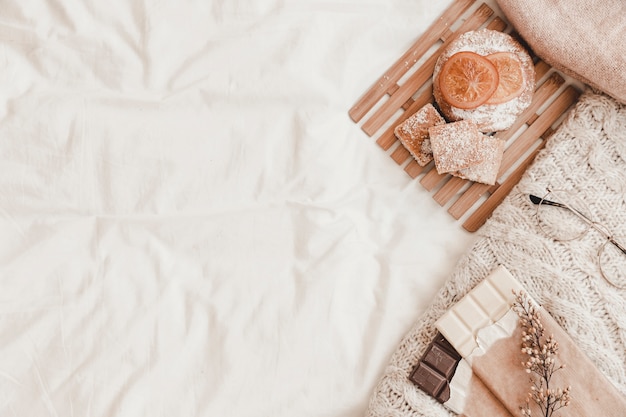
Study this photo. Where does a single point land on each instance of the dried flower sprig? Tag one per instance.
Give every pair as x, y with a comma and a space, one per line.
542, 351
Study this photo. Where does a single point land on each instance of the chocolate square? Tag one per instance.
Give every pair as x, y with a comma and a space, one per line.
429, 379
442, 342
444, 395
441, 360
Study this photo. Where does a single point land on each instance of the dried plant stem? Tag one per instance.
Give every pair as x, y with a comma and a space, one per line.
541, 364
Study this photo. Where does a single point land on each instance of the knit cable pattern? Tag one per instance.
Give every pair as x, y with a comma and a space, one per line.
586, 156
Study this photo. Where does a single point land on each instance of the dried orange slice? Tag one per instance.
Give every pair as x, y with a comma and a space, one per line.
467, 80
511, 77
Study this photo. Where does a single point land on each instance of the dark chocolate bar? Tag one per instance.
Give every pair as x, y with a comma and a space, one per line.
436, 368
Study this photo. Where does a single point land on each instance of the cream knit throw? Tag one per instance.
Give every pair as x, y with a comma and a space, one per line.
587, 154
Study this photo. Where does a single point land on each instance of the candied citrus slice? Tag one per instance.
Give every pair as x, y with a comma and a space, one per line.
467, 80
511, 77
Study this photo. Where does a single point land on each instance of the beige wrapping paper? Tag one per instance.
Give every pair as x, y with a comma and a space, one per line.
583, 38
481, 402
470, 397
499, 367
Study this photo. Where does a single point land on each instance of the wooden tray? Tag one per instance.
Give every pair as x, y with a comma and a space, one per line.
407, 86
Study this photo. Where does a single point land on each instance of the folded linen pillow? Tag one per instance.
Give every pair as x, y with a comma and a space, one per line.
582, 38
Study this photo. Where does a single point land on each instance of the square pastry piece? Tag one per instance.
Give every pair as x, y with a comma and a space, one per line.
413, 133
486, 172
456, 146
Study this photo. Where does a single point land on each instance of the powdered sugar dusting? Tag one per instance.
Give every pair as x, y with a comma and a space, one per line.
488, 117
493, 117
492, 150
455, 146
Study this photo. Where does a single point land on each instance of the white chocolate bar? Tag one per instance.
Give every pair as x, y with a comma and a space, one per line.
483, 305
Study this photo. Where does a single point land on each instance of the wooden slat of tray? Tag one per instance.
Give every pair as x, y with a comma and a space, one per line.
422, 75
410, 57
432, 179
389, 138
414, 92
413, 169
479, 217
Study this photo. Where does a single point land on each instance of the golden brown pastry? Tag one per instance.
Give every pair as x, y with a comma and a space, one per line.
413, 133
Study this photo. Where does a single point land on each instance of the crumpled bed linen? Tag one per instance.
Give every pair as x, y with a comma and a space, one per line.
190, 224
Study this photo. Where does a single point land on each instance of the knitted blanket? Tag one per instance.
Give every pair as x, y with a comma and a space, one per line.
586, 155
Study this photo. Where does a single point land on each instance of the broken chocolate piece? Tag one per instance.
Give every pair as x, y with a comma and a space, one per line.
436, 368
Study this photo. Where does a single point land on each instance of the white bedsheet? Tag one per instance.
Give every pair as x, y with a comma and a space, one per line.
190, 223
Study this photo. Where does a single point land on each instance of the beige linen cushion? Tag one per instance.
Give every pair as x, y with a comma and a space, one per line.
585, 39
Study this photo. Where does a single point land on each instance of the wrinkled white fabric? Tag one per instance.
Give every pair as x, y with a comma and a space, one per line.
190, 223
